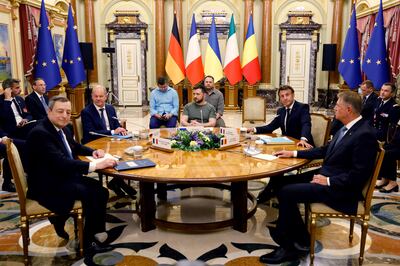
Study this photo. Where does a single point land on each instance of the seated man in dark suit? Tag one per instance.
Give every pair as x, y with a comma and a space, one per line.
346, 168
294, 121
55, 175
14, 117
37, 102
369, 100
383, 110
99, 117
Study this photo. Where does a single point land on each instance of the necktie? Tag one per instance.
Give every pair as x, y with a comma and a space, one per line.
380, 105
103, 120
44, 103
364, 100
18, 107
66, 145
341, 133
287, 117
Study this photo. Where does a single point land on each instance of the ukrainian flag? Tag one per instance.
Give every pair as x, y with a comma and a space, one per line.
213, 63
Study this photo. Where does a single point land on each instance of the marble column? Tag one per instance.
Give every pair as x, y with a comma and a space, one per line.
248, 10
336, 36
160, 38
266, 42
90, 36
178, 11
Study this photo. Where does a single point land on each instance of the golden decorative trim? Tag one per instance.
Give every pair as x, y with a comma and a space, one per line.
284, 35
374, 9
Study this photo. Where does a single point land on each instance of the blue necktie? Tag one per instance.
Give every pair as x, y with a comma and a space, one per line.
44, 103
66, 145
103, 118
341, 133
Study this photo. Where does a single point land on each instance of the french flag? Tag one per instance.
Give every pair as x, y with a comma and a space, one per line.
194, 65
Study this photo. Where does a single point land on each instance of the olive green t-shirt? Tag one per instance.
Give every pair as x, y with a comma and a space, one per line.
200, 113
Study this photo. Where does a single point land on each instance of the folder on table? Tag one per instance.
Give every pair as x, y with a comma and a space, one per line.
134, 164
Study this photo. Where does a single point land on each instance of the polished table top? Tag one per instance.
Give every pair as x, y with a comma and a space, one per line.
198, 167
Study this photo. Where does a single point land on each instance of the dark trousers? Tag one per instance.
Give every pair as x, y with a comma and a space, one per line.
389, 164
157, 123
94, 199
290, 226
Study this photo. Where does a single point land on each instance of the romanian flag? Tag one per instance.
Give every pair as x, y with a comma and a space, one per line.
212, 64
232, 68
250, 64
175, 66
194, 65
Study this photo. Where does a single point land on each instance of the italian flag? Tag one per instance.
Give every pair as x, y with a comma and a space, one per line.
232, 68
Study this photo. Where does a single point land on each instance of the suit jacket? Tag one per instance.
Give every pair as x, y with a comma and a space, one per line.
51, 172
35, 106
91, 122
298, 124
348, 165
382, 117
368, 108
7, 117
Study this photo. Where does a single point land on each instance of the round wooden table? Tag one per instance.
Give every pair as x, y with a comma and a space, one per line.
210, 167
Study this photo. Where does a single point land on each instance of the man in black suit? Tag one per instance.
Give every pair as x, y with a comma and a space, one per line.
55, 174
383, 110
15, 120
339, 183
294, 121
101, 118
37, 102
369, 99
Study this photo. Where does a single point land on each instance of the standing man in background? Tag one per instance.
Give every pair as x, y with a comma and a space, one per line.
369, 99
384, 109
215, 98
164, 105
37, 102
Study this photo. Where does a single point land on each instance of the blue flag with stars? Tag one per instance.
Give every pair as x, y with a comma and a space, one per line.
349, 65
375, 64
46, 66
72, 59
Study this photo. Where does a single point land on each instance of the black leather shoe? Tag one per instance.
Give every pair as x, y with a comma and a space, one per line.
281, 255
8, 186
116, 188
393, 189
128, 189
93, 248
265, 195
381, 186
60, 231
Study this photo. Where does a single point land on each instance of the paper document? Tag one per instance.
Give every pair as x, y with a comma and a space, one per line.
106, 156
276, 140
263, 156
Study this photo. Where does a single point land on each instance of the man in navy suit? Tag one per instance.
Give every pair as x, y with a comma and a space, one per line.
101, 118
15, 120
55, 175
294, 121
383, 110
368, 101
346, 168
37, 102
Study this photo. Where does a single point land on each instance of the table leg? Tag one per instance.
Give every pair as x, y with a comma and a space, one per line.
239, 205
147, 206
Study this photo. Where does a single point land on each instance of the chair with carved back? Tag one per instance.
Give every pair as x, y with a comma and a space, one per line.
320, 210
253, 111
31, 209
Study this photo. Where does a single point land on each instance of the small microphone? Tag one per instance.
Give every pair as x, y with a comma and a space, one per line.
98, 134
201, 115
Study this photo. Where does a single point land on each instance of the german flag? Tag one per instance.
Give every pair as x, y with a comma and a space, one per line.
175, 66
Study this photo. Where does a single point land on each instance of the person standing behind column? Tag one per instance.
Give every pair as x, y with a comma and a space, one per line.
199, 112
164, 105
215, 98
37, 102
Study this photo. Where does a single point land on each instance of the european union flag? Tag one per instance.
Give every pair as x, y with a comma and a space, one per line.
349, 65
375, 64
46, 66
72, 59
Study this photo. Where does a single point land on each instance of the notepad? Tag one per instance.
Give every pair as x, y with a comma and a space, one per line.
264, 156
98, 160
134, 164
276, 140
